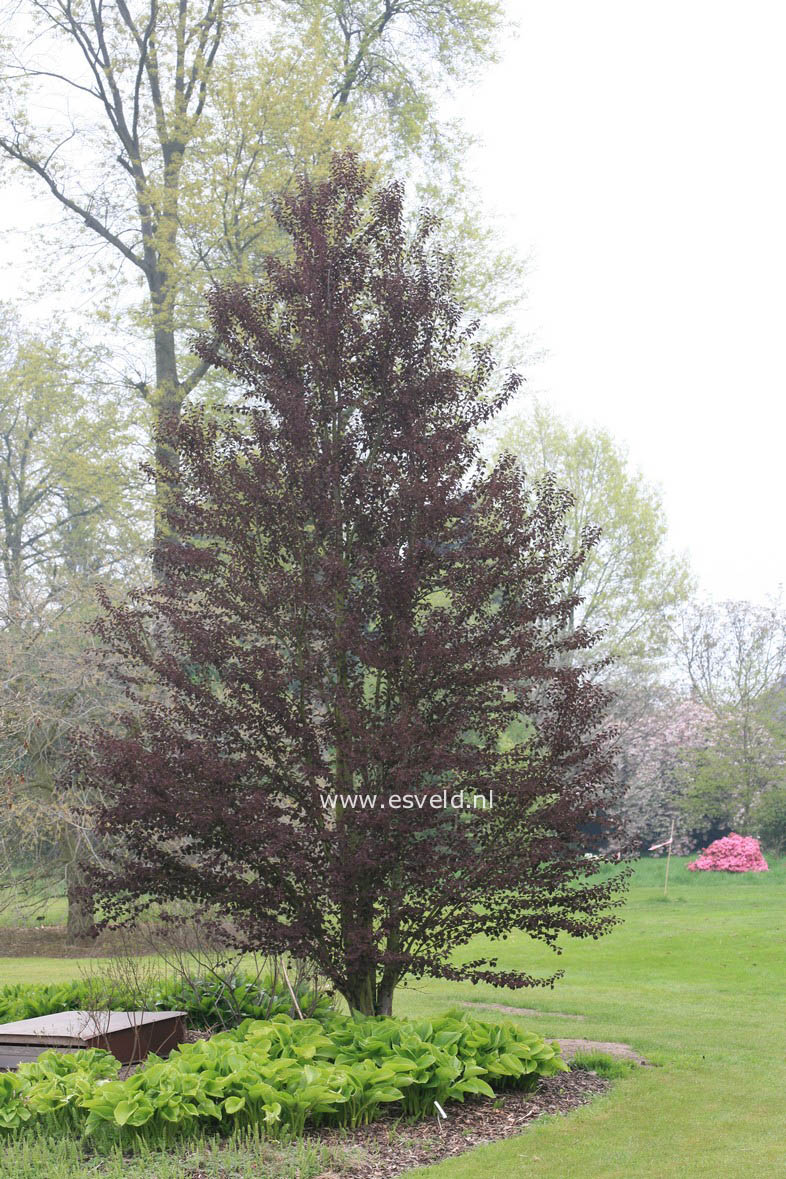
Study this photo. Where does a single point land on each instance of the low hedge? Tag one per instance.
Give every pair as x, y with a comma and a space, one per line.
277, 1076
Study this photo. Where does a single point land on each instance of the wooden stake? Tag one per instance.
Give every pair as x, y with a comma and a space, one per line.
668, 860
292, 991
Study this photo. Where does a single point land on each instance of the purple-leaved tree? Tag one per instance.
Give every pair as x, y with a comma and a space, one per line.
358, 622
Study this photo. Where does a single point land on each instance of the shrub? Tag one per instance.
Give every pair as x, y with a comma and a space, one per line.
770, 818
733, 853
276, 1076
28, 1000
54, 1087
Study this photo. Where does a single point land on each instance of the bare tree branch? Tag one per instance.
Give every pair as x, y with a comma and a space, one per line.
16, 152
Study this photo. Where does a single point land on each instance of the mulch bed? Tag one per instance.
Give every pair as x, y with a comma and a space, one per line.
49, 941
388, 1147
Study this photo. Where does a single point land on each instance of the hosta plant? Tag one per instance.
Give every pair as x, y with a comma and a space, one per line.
213, 1001
278, 1076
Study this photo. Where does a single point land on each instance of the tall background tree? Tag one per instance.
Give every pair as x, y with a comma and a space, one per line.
353, 605
631, 584
630, 589
72, 509
734, 657
707, 745
175, 122
665, 735
72, 500
51, 686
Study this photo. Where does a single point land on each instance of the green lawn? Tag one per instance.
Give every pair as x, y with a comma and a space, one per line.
696, 983
48, 910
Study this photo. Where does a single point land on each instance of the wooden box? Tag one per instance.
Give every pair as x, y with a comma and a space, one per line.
128, 1035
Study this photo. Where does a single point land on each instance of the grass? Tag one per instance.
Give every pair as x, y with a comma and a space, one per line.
64, 1158
693, 982
45, 970
47, 911
604, 1065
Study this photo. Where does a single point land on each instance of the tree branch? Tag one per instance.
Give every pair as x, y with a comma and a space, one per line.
194, 377
16, 152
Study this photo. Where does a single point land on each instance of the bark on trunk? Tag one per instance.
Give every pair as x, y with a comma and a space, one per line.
168, 404
80, 923
366, 996
385, 999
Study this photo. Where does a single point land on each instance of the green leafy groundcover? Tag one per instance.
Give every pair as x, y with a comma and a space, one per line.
275, 1075
208, 1002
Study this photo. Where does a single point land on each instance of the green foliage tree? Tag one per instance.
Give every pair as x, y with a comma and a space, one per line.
734, 656
51, 685
179, 120
72, 510
631, 583
394, 56
769, 820
69, 453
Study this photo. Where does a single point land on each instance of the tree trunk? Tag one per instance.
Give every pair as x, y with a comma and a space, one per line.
80, 923
361, 972
369, 990
384, 1002
361, 994
369, 997
167, 406
12, 563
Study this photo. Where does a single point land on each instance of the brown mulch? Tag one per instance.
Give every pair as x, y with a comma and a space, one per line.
49, 941
388, 1148
391, 1146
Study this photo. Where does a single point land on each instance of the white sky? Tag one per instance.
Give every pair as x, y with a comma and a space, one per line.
635, 153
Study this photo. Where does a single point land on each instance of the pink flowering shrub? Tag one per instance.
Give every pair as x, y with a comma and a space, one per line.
733, 853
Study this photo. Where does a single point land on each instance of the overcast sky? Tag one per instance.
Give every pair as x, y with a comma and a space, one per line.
634, 152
